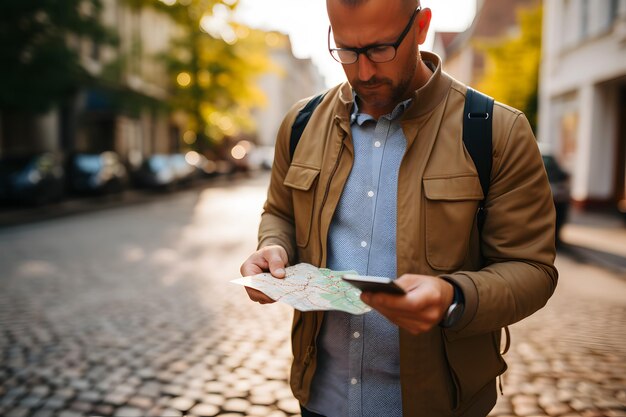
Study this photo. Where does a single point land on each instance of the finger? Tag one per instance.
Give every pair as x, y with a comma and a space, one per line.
411, 324
255, 264
276, 264
409, 282
388, 302
403, 308
258, 296
394, 315
248, 269
426, 290
411, 320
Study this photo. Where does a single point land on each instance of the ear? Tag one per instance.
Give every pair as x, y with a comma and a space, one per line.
422, 24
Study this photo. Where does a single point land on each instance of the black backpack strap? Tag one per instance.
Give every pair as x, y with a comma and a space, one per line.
301, 121
477, 119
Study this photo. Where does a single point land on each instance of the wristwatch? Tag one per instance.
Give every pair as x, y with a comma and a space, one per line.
455, 311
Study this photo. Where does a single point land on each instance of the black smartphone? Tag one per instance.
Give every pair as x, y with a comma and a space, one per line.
373, 284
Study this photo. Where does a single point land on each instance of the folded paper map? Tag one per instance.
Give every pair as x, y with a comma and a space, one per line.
307, 288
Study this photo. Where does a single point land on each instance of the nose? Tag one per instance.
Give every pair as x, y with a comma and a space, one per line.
366, 68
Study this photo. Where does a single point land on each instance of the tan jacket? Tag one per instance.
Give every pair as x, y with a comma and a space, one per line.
443, 372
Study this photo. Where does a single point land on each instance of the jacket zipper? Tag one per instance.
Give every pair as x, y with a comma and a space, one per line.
327, 190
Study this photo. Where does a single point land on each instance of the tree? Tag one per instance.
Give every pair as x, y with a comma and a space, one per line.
212, 67
39, 58
512, 65
215, 83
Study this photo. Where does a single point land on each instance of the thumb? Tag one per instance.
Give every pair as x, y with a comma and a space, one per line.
277, 266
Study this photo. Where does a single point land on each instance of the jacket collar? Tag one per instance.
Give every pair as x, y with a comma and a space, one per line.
424, 99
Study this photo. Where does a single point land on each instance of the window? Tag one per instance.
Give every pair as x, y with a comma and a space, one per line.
567, 24
584, 19
613, 10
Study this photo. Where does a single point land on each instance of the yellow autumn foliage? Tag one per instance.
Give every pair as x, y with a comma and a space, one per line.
512, 65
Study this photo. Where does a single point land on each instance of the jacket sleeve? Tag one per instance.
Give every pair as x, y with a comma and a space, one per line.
517, 239
277, 220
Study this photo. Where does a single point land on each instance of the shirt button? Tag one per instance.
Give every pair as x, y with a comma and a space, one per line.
363, 244
354, 381
370, 193
356, 335
377, 144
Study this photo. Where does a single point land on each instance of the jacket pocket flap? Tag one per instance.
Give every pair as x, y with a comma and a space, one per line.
453, 189
300, 177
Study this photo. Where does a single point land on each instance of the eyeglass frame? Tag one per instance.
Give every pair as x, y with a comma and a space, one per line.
364, 50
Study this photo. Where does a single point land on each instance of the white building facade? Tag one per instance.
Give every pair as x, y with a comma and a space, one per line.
296, 79
89, 121
582, 108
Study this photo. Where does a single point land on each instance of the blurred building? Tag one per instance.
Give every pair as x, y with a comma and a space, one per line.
125, 106
494, 19
126, 112
583, 95
123, 109
295, 79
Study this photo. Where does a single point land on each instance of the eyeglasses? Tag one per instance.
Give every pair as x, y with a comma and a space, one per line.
379, 53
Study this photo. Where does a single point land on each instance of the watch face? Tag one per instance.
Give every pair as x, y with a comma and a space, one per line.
452, 315
455, 313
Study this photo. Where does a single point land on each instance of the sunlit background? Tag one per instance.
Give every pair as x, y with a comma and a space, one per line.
136, 139
306, 23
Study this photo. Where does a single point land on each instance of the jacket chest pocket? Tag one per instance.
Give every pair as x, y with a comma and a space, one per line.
451, 206
302, 182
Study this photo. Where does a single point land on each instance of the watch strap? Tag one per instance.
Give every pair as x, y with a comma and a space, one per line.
455, 311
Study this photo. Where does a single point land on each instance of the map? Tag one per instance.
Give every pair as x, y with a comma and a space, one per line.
307, 288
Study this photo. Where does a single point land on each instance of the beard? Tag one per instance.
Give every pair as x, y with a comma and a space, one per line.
381, 92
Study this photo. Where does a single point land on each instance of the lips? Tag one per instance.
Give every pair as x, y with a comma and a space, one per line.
373, 84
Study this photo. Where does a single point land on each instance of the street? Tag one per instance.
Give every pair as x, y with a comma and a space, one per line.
128, 312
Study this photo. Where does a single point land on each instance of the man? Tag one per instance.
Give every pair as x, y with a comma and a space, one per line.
380, 183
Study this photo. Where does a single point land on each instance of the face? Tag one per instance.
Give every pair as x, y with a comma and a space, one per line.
380, 86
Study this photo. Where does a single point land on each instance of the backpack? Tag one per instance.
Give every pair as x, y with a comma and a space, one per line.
477, 116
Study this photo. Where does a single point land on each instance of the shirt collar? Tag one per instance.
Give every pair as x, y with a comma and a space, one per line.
359, 118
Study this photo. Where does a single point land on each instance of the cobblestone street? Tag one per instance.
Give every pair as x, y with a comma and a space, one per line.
128, 312
569, 359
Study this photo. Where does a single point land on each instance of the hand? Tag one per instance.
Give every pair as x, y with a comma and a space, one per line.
422, 308
273, 258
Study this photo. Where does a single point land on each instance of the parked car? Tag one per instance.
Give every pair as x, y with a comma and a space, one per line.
164, 171
559, 183
184, 170
155, 172
97, 173
32, 179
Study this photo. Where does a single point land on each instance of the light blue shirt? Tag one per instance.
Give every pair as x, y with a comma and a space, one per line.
358, 372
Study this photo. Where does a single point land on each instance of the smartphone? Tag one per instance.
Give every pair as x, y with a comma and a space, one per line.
373, 284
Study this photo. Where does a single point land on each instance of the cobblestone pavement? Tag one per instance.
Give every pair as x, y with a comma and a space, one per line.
569, 359
128, 312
